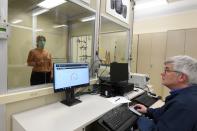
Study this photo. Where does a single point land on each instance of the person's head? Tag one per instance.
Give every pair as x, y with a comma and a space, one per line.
179, 72
40, 40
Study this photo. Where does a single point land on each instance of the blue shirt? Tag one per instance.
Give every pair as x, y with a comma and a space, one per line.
174, 91
178, 113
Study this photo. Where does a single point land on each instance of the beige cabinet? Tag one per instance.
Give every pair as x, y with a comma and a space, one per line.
151, 55
191, 42
175, 43
180, 42
144, 53
157, 60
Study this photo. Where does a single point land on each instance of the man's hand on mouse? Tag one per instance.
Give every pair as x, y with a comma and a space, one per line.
140, 108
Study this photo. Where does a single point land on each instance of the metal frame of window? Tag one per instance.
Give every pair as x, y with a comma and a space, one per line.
3, 65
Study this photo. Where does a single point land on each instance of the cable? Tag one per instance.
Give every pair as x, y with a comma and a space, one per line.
103, 70
92, 65
144, 89
95, 62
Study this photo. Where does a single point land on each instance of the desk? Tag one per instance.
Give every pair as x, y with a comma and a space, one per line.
59, 117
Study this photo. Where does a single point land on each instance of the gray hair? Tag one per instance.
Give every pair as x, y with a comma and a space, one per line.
185, 64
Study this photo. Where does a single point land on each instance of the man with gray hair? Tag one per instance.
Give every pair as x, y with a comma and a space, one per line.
179, 112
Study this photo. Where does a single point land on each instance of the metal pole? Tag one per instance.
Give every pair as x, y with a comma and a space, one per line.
96, 38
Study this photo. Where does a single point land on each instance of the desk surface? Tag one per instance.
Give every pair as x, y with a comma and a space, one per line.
59, 117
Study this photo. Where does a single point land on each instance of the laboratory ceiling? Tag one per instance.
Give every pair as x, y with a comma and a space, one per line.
61, 14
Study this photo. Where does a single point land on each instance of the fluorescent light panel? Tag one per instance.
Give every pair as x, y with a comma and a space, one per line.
48, 4
58, 26
17, 21
21, 27
25, 27
150, 4
88, 19
38, 12
38, 30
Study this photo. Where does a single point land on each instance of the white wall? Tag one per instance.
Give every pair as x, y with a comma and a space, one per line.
181, 20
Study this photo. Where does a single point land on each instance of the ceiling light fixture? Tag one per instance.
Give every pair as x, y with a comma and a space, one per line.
17, 21
48, 4
38, 30
58, 26
90, 18
150, 4
38, 12
21, 27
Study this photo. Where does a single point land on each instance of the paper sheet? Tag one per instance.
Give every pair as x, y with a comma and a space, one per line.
118, 100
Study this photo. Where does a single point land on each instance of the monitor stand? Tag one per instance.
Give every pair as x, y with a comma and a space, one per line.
70, 97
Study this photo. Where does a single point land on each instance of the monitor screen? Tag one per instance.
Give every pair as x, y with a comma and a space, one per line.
69, 75
119, 72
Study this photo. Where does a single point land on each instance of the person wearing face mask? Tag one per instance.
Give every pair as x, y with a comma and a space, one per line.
41, 61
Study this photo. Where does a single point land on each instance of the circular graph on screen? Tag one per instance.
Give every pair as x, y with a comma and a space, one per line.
74, 76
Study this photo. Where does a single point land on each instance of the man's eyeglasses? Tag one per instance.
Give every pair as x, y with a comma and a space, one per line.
167, 71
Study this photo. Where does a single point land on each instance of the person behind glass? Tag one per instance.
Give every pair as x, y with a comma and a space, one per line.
179, 113
41, 61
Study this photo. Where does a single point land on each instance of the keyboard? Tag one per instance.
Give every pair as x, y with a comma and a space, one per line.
145, 99
119, 118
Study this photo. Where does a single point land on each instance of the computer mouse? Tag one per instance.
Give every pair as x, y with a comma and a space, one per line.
135, 111
136, 107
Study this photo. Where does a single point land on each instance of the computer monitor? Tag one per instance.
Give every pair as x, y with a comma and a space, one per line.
119, 72
68, 76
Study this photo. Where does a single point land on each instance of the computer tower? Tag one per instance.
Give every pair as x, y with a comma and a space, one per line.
106, 89
122, 87
109, 89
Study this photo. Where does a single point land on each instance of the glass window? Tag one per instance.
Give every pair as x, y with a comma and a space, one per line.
19, 42
113, 45
40, 37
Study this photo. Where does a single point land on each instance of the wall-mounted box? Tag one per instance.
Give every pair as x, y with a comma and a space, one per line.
3, 31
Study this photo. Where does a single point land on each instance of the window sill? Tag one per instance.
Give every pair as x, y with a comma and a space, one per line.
28, 94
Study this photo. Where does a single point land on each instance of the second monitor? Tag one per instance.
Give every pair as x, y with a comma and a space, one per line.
119, 72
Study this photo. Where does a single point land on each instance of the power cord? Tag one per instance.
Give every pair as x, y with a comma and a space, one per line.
93, 65
100, 60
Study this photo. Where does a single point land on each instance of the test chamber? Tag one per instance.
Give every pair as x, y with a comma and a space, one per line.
139, 80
